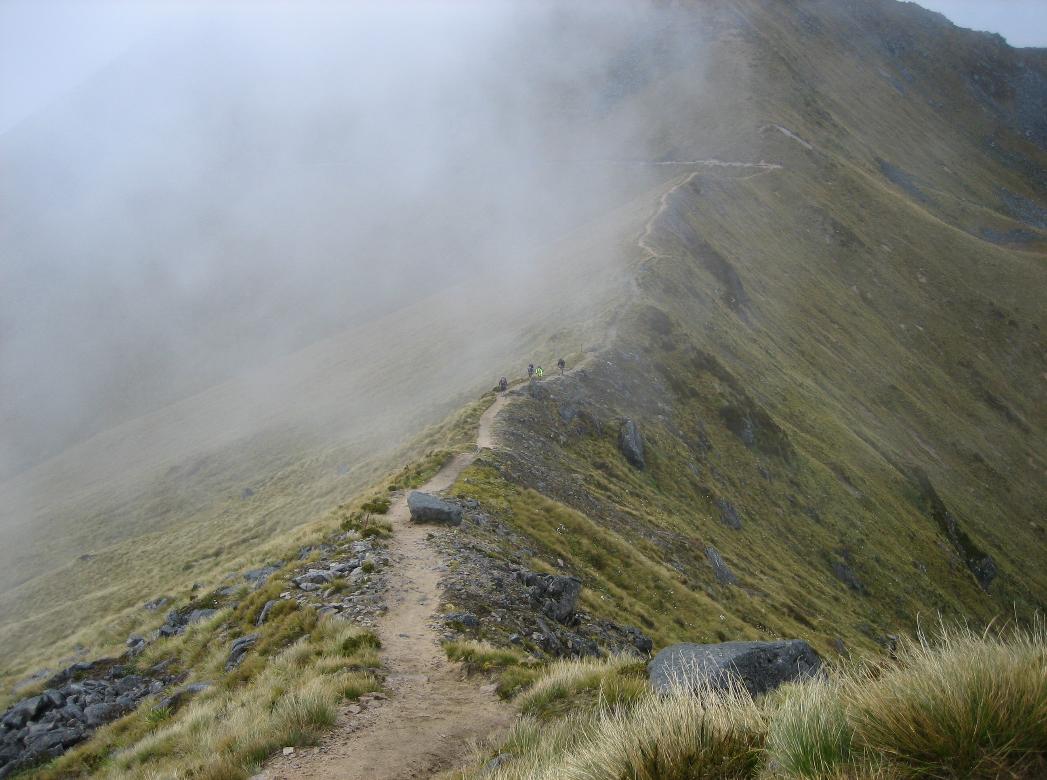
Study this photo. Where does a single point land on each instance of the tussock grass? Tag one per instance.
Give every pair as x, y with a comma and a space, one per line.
609, 683
366, 525
960, 705
515, 671
810, 735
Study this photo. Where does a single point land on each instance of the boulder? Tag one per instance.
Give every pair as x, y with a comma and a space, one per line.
258, 577
430, 509
24, 711
239, 650
759, 667
315, 576
556, 595
129, 683
638, 639
176, 699
466, 619
264, 614
100, 714
200, 615
631, 444
135, 645
53, 742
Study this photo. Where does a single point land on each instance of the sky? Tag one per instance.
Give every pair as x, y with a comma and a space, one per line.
1021, 22
47, 48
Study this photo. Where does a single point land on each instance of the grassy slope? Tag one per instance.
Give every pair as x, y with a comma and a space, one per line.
873, 337
878, 337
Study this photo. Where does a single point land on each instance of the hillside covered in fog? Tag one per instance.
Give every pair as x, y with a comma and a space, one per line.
263, 271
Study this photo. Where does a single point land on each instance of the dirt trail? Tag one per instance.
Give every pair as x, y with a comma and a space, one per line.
663, 203
432, 714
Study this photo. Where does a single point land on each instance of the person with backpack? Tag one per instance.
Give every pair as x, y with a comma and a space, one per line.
561, 364
503, 384
530, 370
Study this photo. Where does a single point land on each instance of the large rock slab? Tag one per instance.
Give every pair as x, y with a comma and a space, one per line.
430, 509
759, 667
631, 444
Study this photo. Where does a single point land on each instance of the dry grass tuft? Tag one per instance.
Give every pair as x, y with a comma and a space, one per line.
963, 705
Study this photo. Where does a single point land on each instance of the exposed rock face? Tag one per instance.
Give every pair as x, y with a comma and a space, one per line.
723, 574
557, 596
537, 390
430, 509
631, 444
758, 666
980, 563
729, 515
844, 573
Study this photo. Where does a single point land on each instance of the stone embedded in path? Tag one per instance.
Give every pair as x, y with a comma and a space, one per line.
759, 667
426, 508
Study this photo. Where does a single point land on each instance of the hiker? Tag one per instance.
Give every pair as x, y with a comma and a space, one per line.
530, 370
538, 372
561, 364
503, 384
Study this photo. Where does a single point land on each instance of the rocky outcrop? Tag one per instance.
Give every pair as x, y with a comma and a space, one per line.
556, 596
978, 562
503, 603
179, 697
723, 574
426, 508
728, 514
631, 444
239, 650
346, 582
538, 391
759, 667
259, 577
77, 701
178, 620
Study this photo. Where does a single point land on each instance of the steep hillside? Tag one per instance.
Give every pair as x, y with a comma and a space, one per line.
836, 366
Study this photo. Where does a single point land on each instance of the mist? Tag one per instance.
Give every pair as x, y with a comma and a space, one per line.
249, 179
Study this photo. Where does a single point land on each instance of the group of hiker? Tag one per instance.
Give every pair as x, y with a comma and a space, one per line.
533, 372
